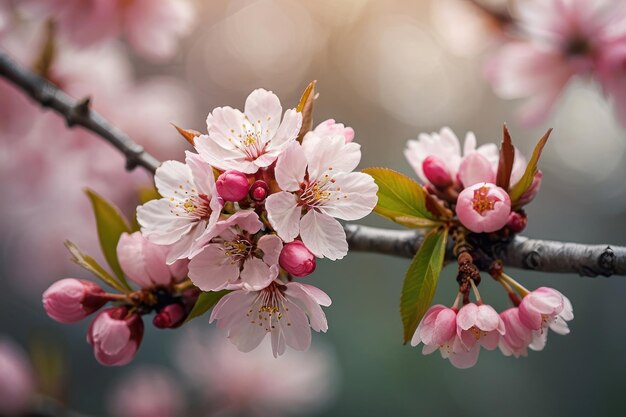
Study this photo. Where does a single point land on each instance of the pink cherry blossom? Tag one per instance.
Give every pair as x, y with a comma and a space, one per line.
560, 39
331, 128
438, 331
296, 259
70, 300
287, 312
188, 211
250, 140
152, 27
147, 392
479, 325
115, 336
517, 336
236, 257
545, 308
17, 379
144, 262
317, 179
483, 208
237, 382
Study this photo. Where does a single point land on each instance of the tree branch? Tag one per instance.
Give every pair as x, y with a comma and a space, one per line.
75, 112
521, 252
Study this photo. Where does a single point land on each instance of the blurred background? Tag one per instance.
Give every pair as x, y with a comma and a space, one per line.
390, 69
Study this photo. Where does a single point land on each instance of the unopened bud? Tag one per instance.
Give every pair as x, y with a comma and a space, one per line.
297, 259
259, 190
436, 172
70, 300
532, 191
115, 336
483, 207
232, 185
517, 222
169, 316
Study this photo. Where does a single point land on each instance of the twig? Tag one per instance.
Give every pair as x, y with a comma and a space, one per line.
521, 252
75, 112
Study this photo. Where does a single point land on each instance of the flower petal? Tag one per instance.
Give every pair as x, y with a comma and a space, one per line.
323, 235
212, 269
356, 196
291, 167
284, 213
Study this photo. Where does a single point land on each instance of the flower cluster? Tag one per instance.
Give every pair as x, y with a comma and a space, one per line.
242, 217
555, 41
485, 190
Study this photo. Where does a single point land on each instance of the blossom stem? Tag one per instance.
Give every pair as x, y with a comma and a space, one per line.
518, 287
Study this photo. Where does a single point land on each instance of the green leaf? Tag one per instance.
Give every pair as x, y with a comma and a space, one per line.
92, 266
401, 199
111, 224
526, 181
205, 301
421, 280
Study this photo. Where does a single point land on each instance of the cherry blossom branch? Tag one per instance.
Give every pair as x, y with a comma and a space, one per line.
521, 252
75, 112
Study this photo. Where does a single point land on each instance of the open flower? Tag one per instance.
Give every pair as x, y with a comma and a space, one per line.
477, 325
144, 262
236, 258
188, 210
517, 337
545, 308
316, 180
286, 311
250, 140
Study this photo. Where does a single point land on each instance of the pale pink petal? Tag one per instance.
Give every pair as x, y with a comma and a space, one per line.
284, 213
490, 340
212, 269
288, 130
467, 316
295, 326
271, 245
169, 176
476, 168
323, 235
263, 111
256, 274
329, 154
465, 359
159, 225
487, 318
291, 167
353, 198
303, 298
202, 174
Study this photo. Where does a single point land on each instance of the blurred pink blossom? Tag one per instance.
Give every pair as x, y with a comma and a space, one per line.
152, 27
147, 392
17, 380
255, 383
559, 39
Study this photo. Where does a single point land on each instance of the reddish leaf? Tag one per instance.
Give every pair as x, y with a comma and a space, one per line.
189, 134
305, 106
505, 164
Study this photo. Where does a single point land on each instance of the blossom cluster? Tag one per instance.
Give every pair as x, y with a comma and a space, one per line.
555, 41
483, 212
245, 215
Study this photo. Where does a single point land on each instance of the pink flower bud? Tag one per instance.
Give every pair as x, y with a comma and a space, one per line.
169, 316
436, 172
115, 336
70, 300
331, 128
259, 190
532, 191
296, 259
517, 221
483, 207
232, 185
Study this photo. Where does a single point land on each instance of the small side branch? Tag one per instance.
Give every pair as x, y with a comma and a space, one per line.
75, 112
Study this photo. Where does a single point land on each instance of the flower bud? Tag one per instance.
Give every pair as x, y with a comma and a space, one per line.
259, 190
70, 300
331, 128
115, 336
436, 172
296, 259
169, 316
517, 221
232, 185
483, 207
